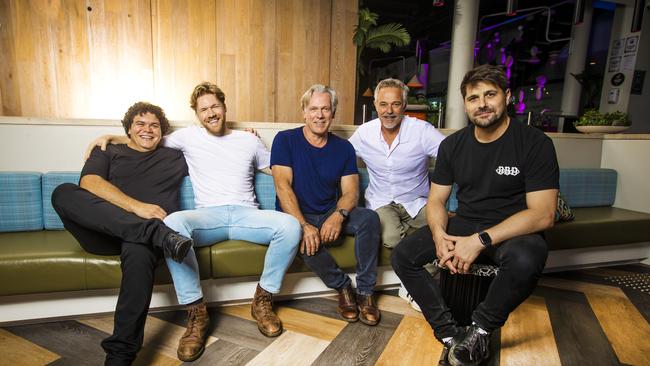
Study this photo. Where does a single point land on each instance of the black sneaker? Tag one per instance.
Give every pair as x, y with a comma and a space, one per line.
472, 350
176, 246
447, 346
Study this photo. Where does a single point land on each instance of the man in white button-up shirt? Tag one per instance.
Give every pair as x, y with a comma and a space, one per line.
397, 150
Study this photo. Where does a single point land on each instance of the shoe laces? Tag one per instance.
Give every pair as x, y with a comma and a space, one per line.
475, 343
264, 304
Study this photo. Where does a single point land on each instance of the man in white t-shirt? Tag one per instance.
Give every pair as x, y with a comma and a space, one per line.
397, 150
222, 164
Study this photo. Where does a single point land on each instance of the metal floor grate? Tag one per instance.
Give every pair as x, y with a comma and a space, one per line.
639, 281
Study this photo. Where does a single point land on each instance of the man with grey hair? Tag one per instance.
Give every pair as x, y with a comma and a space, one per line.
396, 149
316, 181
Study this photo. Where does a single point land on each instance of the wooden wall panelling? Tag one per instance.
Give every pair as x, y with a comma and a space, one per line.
303, 53
121, 69
262, 83
184, 49
10, 99
226, 55
43, 50
246, 58
343, 57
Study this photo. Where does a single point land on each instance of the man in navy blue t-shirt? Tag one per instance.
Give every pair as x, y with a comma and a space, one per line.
317, 181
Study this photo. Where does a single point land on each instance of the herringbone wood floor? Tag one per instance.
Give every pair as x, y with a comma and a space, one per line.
587, 317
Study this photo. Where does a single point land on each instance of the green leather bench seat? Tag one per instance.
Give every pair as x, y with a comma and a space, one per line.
235, 258
600, 226
53, 261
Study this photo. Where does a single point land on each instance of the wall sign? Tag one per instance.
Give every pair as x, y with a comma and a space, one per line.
618, 79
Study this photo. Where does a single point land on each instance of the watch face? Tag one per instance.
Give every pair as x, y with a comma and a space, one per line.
485, 239
344, 212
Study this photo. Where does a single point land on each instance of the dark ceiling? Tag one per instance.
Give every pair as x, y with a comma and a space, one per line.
432, 26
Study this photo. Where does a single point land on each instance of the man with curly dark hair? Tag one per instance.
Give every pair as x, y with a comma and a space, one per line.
117, 209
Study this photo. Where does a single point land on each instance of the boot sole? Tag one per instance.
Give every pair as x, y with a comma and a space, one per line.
193, 357
267, 334
182, 251
368, 322
349, 320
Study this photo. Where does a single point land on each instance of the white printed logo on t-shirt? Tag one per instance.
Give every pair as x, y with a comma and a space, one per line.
507, 170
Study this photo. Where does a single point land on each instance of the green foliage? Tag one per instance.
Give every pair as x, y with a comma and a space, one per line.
367, 34
593, 117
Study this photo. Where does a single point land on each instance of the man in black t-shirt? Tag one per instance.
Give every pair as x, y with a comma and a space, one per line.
117, 209
508, 178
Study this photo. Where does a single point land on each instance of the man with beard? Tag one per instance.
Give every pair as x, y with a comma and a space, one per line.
397, 150
317, 181
222, 164
508, 178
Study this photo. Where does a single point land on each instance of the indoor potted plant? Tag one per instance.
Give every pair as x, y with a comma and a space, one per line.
592, 121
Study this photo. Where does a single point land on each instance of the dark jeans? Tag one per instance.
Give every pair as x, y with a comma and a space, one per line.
105, 229
520, 260
363, 223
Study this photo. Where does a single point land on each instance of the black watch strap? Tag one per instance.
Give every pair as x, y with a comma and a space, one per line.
485, 239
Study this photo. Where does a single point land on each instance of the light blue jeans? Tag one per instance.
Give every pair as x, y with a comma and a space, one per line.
207, 226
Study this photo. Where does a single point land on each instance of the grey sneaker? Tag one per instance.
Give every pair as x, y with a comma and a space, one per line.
472, 350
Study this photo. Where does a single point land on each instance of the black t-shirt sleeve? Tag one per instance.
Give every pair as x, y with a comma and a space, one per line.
442, 172
542, 171
98, 163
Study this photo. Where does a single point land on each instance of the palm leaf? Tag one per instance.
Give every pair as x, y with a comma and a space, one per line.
385, 36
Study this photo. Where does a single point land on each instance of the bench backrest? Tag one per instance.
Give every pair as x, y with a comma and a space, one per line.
25, 197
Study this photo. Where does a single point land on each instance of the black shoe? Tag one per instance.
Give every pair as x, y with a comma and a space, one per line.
176, 246
472, 350
447, 346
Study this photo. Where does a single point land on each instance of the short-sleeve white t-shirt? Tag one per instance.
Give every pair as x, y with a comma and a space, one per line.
222, 168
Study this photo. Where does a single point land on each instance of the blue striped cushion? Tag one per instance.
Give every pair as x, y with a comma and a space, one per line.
20, 201
265, 191
588, 187
52, 180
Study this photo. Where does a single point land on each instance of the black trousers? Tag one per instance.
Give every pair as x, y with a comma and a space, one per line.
105, 229
520, 261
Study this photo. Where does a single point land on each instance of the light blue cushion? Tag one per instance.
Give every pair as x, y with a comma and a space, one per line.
265, 191
187, 194
588, 187
52, 180
20, 201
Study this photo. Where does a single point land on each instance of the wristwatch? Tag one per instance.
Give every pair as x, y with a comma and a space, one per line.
344, 213
485, 239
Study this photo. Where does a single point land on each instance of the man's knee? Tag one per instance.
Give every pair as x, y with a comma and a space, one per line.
62, 192
390, 237
526, 255
289, 227
368, 218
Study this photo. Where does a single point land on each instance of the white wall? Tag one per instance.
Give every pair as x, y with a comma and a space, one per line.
630, 159
31, 144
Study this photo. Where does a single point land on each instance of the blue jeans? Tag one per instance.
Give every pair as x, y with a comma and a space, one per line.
363, 223
207, 226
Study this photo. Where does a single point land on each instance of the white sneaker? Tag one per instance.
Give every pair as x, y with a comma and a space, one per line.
406, 296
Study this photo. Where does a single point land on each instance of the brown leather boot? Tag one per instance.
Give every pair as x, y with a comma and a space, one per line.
368, 310
268, 321
348, 305
192, 343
